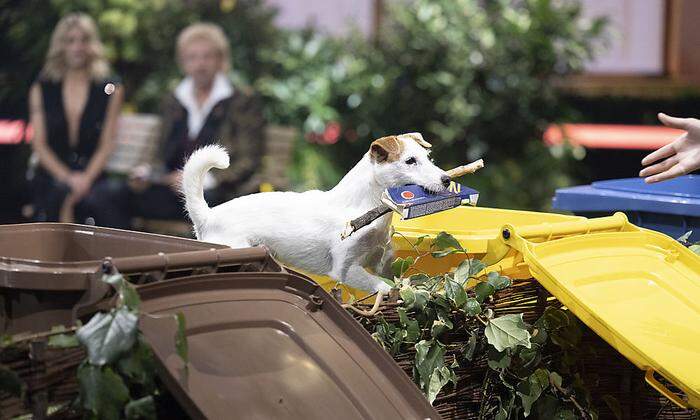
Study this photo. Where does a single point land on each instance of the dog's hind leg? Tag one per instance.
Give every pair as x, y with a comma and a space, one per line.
357, 277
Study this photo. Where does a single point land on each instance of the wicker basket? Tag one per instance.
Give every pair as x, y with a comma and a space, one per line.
49, 375
616, 375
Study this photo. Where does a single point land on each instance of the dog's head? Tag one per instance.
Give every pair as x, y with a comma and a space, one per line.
404, 159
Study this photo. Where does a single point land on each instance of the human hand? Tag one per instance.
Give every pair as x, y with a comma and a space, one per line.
79, 184
680, 157
139, 178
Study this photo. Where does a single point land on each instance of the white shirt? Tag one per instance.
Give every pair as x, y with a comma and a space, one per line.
196, 115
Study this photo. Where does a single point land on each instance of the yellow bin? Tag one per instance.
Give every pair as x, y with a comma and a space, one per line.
637, 289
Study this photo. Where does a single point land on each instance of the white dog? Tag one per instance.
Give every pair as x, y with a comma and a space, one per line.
304, 230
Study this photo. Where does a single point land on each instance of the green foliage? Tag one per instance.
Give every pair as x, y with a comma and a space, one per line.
143, 408
102, 392
533, 366
474, 77
507, 332
62, 340
107, 335
10, 382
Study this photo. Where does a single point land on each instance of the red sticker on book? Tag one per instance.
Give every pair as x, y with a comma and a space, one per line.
407, 195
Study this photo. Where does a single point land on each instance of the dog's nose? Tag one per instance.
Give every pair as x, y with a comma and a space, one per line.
445, 180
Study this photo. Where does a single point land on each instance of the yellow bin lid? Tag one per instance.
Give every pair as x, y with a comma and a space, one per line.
638, 289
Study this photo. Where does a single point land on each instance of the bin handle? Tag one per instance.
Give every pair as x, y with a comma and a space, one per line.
97, 290
651, 380
210, 257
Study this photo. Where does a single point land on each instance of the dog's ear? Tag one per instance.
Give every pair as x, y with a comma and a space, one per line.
385, 149
418, 137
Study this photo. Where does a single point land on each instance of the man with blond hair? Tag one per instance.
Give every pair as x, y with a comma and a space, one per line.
203, 109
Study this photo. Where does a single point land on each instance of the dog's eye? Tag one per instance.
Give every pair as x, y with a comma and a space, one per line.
411, 161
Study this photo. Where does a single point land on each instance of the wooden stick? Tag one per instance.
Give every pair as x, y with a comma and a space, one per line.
465, 169
379, 211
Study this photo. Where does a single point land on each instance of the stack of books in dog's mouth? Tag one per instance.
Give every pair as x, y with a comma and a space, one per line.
412, 201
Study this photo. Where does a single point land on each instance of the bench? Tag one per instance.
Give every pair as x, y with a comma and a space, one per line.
136, 139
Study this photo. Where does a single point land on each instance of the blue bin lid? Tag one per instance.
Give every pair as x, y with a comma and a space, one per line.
680, 196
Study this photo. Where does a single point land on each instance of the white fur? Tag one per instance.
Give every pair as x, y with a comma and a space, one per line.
303, 229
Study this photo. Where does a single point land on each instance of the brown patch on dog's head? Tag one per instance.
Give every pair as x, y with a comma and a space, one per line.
386, 149
418, 137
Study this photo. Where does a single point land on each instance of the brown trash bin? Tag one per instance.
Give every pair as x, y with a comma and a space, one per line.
272, 345
48, 270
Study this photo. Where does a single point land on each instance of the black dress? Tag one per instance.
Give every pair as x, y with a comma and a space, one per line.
49, 193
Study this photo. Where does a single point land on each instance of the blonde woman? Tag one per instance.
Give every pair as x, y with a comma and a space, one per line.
204, 108
74, 107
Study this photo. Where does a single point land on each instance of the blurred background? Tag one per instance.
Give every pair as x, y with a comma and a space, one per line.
479, 79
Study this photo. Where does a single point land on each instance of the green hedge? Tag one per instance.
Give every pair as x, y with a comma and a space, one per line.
472, 76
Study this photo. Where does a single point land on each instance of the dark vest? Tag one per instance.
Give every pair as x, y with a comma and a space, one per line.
178, 143
76, 157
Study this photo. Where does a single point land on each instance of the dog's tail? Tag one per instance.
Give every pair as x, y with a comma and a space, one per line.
201, 161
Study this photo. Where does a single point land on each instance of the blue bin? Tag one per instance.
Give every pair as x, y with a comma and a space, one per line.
671, 207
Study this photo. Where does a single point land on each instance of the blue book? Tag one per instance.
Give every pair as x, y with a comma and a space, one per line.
412, 201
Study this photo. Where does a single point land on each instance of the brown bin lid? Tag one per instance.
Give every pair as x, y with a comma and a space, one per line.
273, 346
62, 256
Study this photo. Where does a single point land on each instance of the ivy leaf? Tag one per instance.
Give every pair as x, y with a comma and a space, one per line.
470, 347
614, 405
139, 366
419, 240
412, 331
455, 292
555, 379
143, 408
497, 281
411, 326
684, 238
419, 278
107, 335
408, 296
444, 316
130, 296
498, 359
507, 331
102, 391
430, 355
444, 253
539, 336
390, 282
695, 248
438, 329
181, 338
472, 307
62, 341
532, 389
403, 318
439, 378
401, 265
468, 268
553, 319
530, 358
444, 240
546, 407
421, 299
115, 279
10, 382
565, 415
483, 290
504, 410
127, 292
